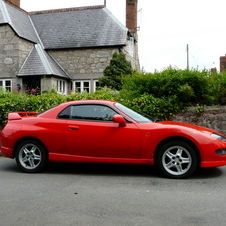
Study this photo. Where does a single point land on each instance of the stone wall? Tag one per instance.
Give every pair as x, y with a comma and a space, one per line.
24, 49
133, 55
8, 52
84, 63
13, 52
89, 63
213, 117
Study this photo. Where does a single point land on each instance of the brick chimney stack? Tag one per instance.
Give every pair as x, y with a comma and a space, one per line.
131, 15
14, 2
223, 63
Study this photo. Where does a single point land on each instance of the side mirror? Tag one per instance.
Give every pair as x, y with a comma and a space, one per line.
120, 120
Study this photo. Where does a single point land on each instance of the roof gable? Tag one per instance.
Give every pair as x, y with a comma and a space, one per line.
40, 63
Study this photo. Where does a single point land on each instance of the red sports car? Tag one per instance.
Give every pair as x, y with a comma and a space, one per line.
99, 131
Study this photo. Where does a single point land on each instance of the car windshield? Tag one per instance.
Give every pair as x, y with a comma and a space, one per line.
132, 114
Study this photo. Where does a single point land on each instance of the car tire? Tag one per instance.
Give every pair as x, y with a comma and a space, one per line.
31, 156
177, 159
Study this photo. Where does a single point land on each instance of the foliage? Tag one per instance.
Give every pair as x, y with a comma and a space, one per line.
187, 86
155, 95
103, 94
217, 89
114, 72
155, 108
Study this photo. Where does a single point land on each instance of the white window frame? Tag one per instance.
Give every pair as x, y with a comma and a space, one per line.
4, 86
82, 87
95, 85
61, 86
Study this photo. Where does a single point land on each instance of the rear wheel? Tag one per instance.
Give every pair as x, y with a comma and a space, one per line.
31, 156
177, 159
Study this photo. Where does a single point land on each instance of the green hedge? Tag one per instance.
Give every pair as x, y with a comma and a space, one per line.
188, 86
155, 108
158, 95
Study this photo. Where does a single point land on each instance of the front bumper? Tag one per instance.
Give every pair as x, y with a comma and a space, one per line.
209, 156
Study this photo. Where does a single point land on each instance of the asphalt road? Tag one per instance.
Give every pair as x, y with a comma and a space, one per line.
109, 195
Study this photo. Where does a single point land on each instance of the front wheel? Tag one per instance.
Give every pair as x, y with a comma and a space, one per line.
177, 159
31, 156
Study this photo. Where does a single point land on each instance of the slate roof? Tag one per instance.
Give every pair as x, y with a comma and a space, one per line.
44, 64
82, 27
18, 20
90, 27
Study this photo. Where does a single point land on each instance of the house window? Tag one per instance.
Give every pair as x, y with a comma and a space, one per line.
6, 84
82, 86
95, 85
61, 86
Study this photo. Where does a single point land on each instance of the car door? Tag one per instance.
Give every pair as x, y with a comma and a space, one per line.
91, 132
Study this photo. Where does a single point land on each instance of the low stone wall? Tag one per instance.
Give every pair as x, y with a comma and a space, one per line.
213, 117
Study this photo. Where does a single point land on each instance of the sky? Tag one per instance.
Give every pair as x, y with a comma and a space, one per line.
166, 29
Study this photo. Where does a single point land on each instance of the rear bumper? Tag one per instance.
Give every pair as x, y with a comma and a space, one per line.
7, 152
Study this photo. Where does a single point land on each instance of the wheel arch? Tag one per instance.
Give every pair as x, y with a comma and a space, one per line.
178, 138
28, 138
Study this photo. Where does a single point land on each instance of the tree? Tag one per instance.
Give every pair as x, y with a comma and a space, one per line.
114, 72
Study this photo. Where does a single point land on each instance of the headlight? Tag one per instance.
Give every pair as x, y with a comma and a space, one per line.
218, 136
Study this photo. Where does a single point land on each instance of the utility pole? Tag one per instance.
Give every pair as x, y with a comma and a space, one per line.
187, 57
105, 3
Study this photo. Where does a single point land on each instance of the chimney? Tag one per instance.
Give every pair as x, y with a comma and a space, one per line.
223, 63
14, 2
131, 15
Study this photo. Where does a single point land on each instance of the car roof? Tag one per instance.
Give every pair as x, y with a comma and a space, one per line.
90, 101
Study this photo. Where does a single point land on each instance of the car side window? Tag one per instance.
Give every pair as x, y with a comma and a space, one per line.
92, 112
65, 114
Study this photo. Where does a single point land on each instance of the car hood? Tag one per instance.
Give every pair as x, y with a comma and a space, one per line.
187, 125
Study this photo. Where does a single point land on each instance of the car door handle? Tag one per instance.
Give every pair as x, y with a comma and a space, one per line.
73, 128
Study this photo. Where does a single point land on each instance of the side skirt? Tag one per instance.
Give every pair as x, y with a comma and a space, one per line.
54, 157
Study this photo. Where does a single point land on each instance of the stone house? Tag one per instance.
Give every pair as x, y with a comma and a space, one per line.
65, 49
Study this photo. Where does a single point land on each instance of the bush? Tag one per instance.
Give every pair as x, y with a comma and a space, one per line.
22, 102
114, 72
188, 86
155, 108
217, 89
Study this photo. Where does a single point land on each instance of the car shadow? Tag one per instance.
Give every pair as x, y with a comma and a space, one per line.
123, 170
205, 173
109, 170
102, 169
